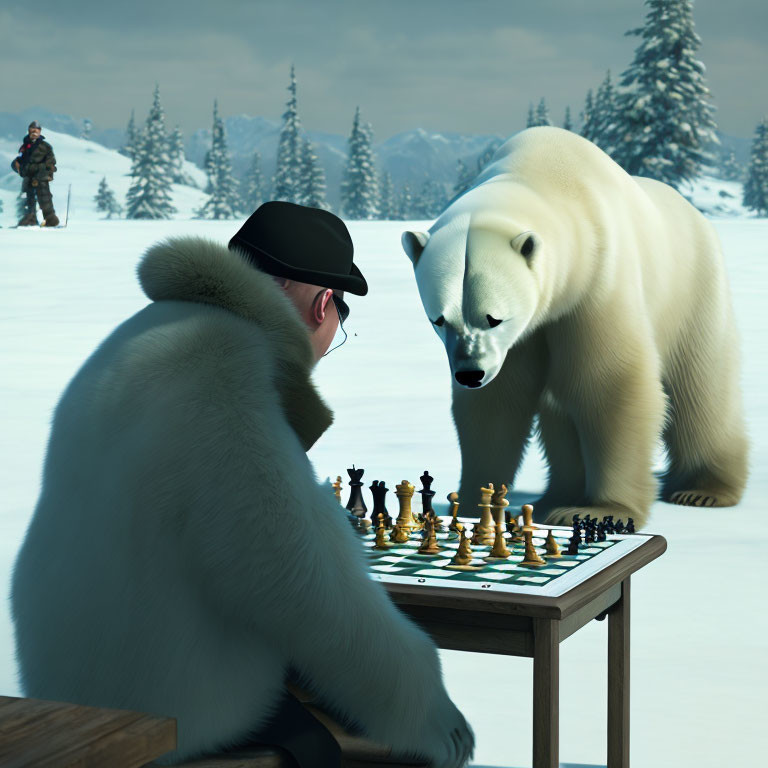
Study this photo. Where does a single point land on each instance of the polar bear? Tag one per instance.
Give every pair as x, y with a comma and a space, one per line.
565, 289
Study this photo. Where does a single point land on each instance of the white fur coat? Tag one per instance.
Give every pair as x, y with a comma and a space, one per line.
182, 555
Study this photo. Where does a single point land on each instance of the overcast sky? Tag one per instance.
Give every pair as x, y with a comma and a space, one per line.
451, 65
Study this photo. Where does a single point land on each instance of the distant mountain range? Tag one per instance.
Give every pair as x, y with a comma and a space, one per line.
410, 157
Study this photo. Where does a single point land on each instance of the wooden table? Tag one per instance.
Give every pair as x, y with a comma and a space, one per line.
54, 734
489, 621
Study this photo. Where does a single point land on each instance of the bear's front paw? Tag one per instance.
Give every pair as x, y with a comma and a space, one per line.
445, 741
564, 515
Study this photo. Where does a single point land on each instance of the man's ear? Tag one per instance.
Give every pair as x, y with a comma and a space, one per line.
320, 306
414, 244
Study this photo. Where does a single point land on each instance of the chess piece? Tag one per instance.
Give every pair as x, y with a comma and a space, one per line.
499, 505
426, 493
573, 545
551, 546
405, 519
381, 537
482, 532
356, 505
630, 526
453, 499
379, 490
429, 545
600, 532
532, 557
499, 546
619, 527
337, 488
463, 554
528, 518
400, 534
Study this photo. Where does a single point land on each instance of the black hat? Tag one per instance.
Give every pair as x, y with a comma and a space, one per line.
34, 124
301, 243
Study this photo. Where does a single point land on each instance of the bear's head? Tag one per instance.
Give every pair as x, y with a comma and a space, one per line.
476, 270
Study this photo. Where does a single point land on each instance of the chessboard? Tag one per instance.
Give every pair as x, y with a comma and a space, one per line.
502, 551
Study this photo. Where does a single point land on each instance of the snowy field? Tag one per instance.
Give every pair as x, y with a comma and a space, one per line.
699, 670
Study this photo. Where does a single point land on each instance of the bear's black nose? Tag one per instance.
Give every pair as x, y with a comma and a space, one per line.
469, 378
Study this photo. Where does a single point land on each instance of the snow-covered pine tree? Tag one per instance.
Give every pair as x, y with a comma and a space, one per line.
530, 121
542, 113
430, 201
604, 117
176, 151
359, 185
387, 203
224, 200
21, 206
255, 194
665, 116
105, 199
464, 178
567, 122
730, 168
405, 203
313, 178
130, 138
287, 182
149, 196
85, 132
586, 116
486, 155
756, 185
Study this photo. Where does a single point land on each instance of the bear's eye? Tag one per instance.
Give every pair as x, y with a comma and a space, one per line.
492, 321
527, 248
440, 321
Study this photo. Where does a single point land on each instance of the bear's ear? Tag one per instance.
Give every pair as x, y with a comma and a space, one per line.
526, 244
414, 244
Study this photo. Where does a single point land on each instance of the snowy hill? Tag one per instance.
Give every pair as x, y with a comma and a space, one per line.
717, 198
83, 164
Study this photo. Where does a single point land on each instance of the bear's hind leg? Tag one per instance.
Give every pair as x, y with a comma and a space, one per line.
705, 436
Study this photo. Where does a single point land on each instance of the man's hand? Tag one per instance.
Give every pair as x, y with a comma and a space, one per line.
16, 166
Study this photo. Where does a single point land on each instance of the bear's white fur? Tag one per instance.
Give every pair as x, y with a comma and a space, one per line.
563, 287
182, 556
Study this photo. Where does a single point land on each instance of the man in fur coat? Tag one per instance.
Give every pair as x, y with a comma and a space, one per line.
36, 165
182, 559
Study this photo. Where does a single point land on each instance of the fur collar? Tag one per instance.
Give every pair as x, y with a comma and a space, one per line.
200, 270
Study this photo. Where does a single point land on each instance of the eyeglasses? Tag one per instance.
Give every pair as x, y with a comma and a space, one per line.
342, 308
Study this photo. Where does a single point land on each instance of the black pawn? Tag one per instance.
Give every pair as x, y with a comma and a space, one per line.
379, 490
356, 505
573, 544
426, 493
601, 532
619, 527
630, 526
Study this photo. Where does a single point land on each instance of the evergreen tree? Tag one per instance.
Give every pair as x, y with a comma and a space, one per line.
586, 116
464, 178
21, 206
567, 123
666, 119
603, 117
131, 138
176, 151
313, 178
223, 202
287, 183
430, 201
531, 120
359, 186
85, 132
756, 185
149, 196
105, 199
542, 113
486, 155
405, 203
730, 168
255, 194
387, 203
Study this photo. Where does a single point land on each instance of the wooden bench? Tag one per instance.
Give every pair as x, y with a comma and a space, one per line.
54, 734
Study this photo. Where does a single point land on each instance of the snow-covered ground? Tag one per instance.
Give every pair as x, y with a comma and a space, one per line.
699, 624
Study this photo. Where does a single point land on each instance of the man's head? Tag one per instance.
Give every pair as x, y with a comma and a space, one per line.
33, 129
309, 253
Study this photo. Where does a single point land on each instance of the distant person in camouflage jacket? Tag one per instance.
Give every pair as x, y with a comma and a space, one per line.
36, 165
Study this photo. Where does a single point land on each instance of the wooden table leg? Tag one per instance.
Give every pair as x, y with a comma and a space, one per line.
618, 681
546, 677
